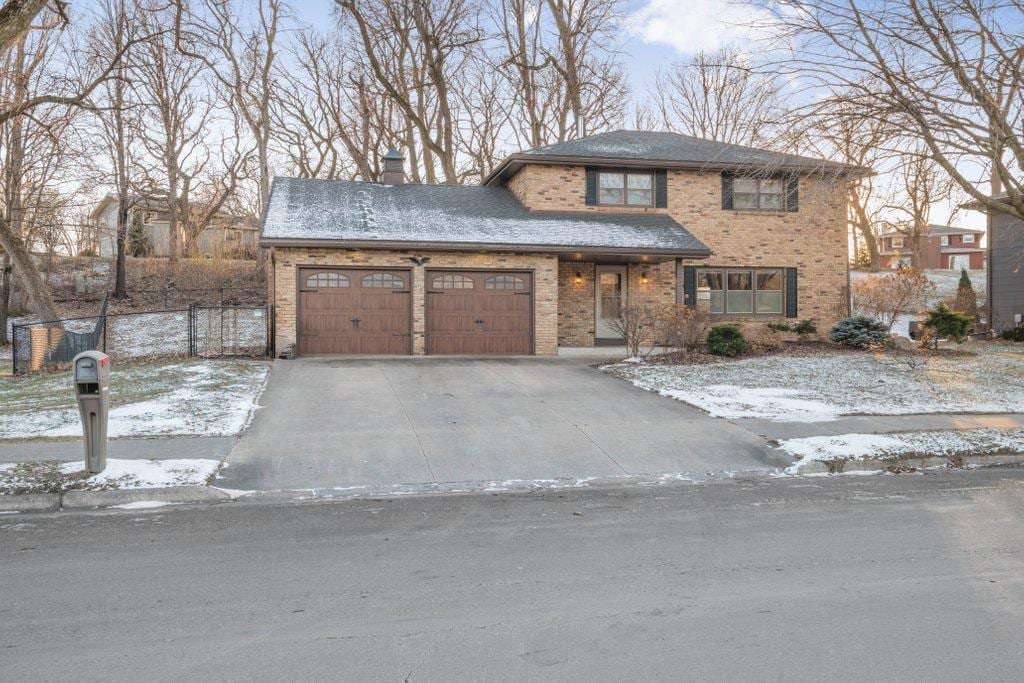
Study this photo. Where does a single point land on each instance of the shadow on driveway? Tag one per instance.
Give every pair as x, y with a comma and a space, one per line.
326, 423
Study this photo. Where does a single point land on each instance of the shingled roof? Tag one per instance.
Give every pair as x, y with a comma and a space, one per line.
363, 214
668, 150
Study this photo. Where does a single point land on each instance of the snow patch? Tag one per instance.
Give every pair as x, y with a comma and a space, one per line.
942, 443
141, 505
145, 474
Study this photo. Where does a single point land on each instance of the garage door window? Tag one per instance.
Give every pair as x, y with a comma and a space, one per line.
504, 282
327, 280
453, 281
383, 280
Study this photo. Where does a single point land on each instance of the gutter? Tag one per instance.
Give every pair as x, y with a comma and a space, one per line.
392, 245
826, 167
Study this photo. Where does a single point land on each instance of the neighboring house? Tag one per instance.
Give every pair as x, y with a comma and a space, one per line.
1005, 256
149, 231
540, 255
942, 247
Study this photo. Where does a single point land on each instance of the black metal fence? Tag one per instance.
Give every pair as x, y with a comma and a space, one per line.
206, 331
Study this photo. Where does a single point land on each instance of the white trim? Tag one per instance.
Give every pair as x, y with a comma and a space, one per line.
599, 331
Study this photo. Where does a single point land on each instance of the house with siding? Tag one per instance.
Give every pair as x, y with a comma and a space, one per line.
540, 255
1005, 258
149, 231
939, 247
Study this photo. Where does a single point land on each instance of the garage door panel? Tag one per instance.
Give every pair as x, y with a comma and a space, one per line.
479, 312
353, 311
327, 323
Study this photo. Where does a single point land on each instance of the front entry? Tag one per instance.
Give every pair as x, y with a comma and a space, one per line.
610, 292
353, 311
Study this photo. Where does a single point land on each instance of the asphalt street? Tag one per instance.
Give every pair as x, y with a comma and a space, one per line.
908, 577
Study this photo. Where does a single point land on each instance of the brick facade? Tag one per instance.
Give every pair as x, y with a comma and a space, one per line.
813, 240
286, 262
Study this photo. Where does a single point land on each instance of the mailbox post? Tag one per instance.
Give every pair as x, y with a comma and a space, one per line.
92, 372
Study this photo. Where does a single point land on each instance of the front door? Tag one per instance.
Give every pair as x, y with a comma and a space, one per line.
959, 262
609, 295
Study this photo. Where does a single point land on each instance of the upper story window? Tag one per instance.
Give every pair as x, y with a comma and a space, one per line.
944, 240
760, 194
625, 189
968, 239
897, 242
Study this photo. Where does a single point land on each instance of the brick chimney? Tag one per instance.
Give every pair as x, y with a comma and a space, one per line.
394, 168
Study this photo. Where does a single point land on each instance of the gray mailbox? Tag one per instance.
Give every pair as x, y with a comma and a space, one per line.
92, 373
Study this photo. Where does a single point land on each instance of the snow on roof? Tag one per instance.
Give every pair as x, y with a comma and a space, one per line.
312, 209
674, 147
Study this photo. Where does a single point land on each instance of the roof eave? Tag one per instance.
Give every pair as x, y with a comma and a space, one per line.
394, 245
514, 162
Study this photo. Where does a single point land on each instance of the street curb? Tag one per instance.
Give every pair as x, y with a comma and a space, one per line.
30, 502
929, 462
76, 500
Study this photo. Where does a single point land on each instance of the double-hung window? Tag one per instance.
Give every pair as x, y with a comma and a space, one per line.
758, 194
625, 189
897, 242
944, 241
740, 291
968, 239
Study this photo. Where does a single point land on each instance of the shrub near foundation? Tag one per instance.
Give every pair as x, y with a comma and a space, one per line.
727, 340
859, 331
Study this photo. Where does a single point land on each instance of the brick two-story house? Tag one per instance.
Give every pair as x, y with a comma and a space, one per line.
939, 247
538, 256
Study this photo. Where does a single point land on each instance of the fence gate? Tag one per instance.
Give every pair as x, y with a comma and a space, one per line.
228, 331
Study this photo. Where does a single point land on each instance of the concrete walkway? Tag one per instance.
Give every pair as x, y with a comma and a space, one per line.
353, 422
879, 424
212, 447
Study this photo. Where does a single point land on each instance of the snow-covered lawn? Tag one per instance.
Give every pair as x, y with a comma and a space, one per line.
905, 444
202, 397
55, 477
825, 386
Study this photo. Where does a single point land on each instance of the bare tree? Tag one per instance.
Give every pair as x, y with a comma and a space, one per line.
834, 129
178, 109
117, 119
719, 96
946, 75
414, 50
920, 185
330, 123
562, 71
241, 55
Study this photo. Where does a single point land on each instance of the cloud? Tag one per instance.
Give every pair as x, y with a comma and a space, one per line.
691, 26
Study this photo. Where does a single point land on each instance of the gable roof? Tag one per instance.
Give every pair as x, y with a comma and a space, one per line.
372, 215
936, 231
668, 150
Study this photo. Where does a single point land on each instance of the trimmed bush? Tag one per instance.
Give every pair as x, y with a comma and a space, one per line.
805, 328
726, 340
1016, 334
946, 322
859, 331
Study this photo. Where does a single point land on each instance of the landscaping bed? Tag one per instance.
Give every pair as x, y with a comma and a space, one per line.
820, 382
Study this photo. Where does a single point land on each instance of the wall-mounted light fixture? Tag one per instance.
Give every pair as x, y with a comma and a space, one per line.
644, 277
418, 261
578, 277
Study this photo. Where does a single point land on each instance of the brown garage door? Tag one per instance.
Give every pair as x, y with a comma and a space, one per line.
479, 312
353, 311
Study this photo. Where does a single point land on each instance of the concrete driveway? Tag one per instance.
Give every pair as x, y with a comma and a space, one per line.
326, 423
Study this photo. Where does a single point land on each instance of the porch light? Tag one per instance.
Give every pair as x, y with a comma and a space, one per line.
578, 278
644, 277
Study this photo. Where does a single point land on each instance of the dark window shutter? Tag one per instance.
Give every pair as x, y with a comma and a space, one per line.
661, 189
791, 296
726, 192
792, 193
690, 286
591, 199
